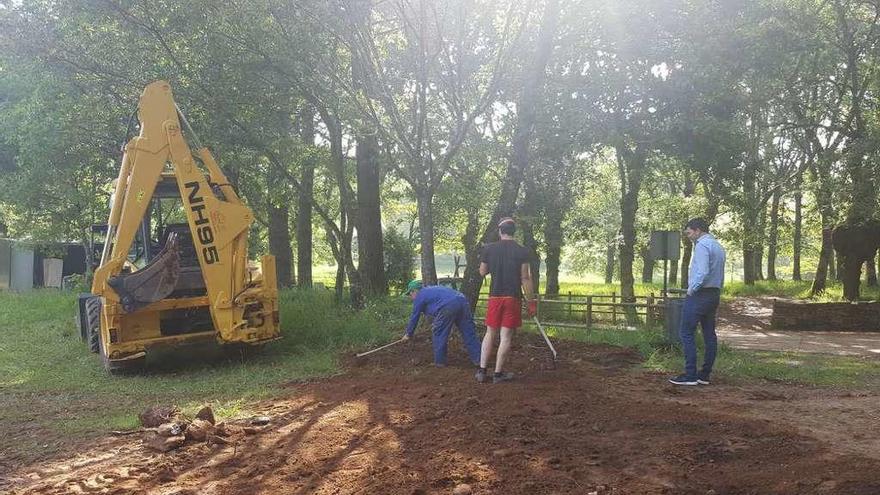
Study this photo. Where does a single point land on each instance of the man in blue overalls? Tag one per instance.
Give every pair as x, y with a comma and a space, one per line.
448, 307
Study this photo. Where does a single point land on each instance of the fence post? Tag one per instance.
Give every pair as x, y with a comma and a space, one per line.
589, 311
538, 305
614, 308
569, 305
649, 309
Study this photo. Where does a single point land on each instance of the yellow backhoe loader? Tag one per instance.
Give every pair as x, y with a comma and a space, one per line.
174, 266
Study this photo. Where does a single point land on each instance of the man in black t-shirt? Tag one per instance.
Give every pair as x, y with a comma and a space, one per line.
508, 262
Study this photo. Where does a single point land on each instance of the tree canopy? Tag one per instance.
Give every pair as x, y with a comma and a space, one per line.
592, 122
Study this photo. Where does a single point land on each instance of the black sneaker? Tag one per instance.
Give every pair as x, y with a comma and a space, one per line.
502, 377
481, 376
683, 380
703, 379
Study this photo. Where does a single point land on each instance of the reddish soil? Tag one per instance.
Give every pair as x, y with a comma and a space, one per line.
393, 424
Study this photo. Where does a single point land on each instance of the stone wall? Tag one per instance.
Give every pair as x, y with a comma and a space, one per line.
838, 317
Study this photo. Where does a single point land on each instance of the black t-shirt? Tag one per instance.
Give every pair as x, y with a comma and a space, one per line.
505, 259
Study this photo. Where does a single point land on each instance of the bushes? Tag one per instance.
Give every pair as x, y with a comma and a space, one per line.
312, 320
399, 260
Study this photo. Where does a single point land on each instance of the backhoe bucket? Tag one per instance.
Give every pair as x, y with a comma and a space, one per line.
152, 283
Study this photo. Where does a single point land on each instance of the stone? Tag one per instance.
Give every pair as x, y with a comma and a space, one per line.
170, 429
260, 420
155, 416
206, 414
199, 430
165, 444
462, 489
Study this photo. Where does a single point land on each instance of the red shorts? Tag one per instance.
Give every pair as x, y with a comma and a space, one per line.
504, 311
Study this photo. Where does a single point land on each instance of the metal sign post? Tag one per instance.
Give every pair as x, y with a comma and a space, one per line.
665, 245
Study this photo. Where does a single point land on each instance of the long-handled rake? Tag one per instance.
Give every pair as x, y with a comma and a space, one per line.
547, 340
380, 348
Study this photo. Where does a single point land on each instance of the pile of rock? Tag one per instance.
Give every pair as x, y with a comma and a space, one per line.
167, 429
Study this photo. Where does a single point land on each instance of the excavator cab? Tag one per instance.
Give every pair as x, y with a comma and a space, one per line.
174, 267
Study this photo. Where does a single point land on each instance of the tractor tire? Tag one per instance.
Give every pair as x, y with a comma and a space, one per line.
126, 367
92, 320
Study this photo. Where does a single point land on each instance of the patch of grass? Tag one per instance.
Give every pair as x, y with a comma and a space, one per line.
601, 288
777, 288
581, 287
47, 374
646, 342
738, 365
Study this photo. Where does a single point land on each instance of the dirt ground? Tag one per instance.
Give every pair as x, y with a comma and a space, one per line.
394, 424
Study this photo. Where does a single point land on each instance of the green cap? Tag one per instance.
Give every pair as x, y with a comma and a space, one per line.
412, 285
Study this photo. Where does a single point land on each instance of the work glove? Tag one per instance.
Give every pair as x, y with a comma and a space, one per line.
532, 308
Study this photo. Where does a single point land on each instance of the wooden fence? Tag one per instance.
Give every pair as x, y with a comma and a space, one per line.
579, 311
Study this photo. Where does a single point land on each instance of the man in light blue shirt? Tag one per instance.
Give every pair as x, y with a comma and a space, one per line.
706, 278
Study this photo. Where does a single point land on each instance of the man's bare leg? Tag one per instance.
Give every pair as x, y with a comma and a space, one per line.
503, 348
488, 347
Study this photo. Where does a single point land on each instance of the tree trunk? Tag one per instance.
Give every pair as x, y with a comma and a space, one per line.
825, 262
553, 238
774, 236
610, 252
821, 172
472, 277
527, 107
279, 244
426, 231
333, 242
749, 264
751, 204
673, 273
871, 271
686, 261
647, 265
469, 239
340, 282
850, 273
371, 264
631, 166
759, 238
347, 208
855, 245
304, 203
528, 219
798, 232
836, 264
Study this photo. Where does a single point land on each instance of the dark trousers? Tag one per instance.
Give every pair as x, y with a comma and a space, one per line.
456, 313
699, 308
